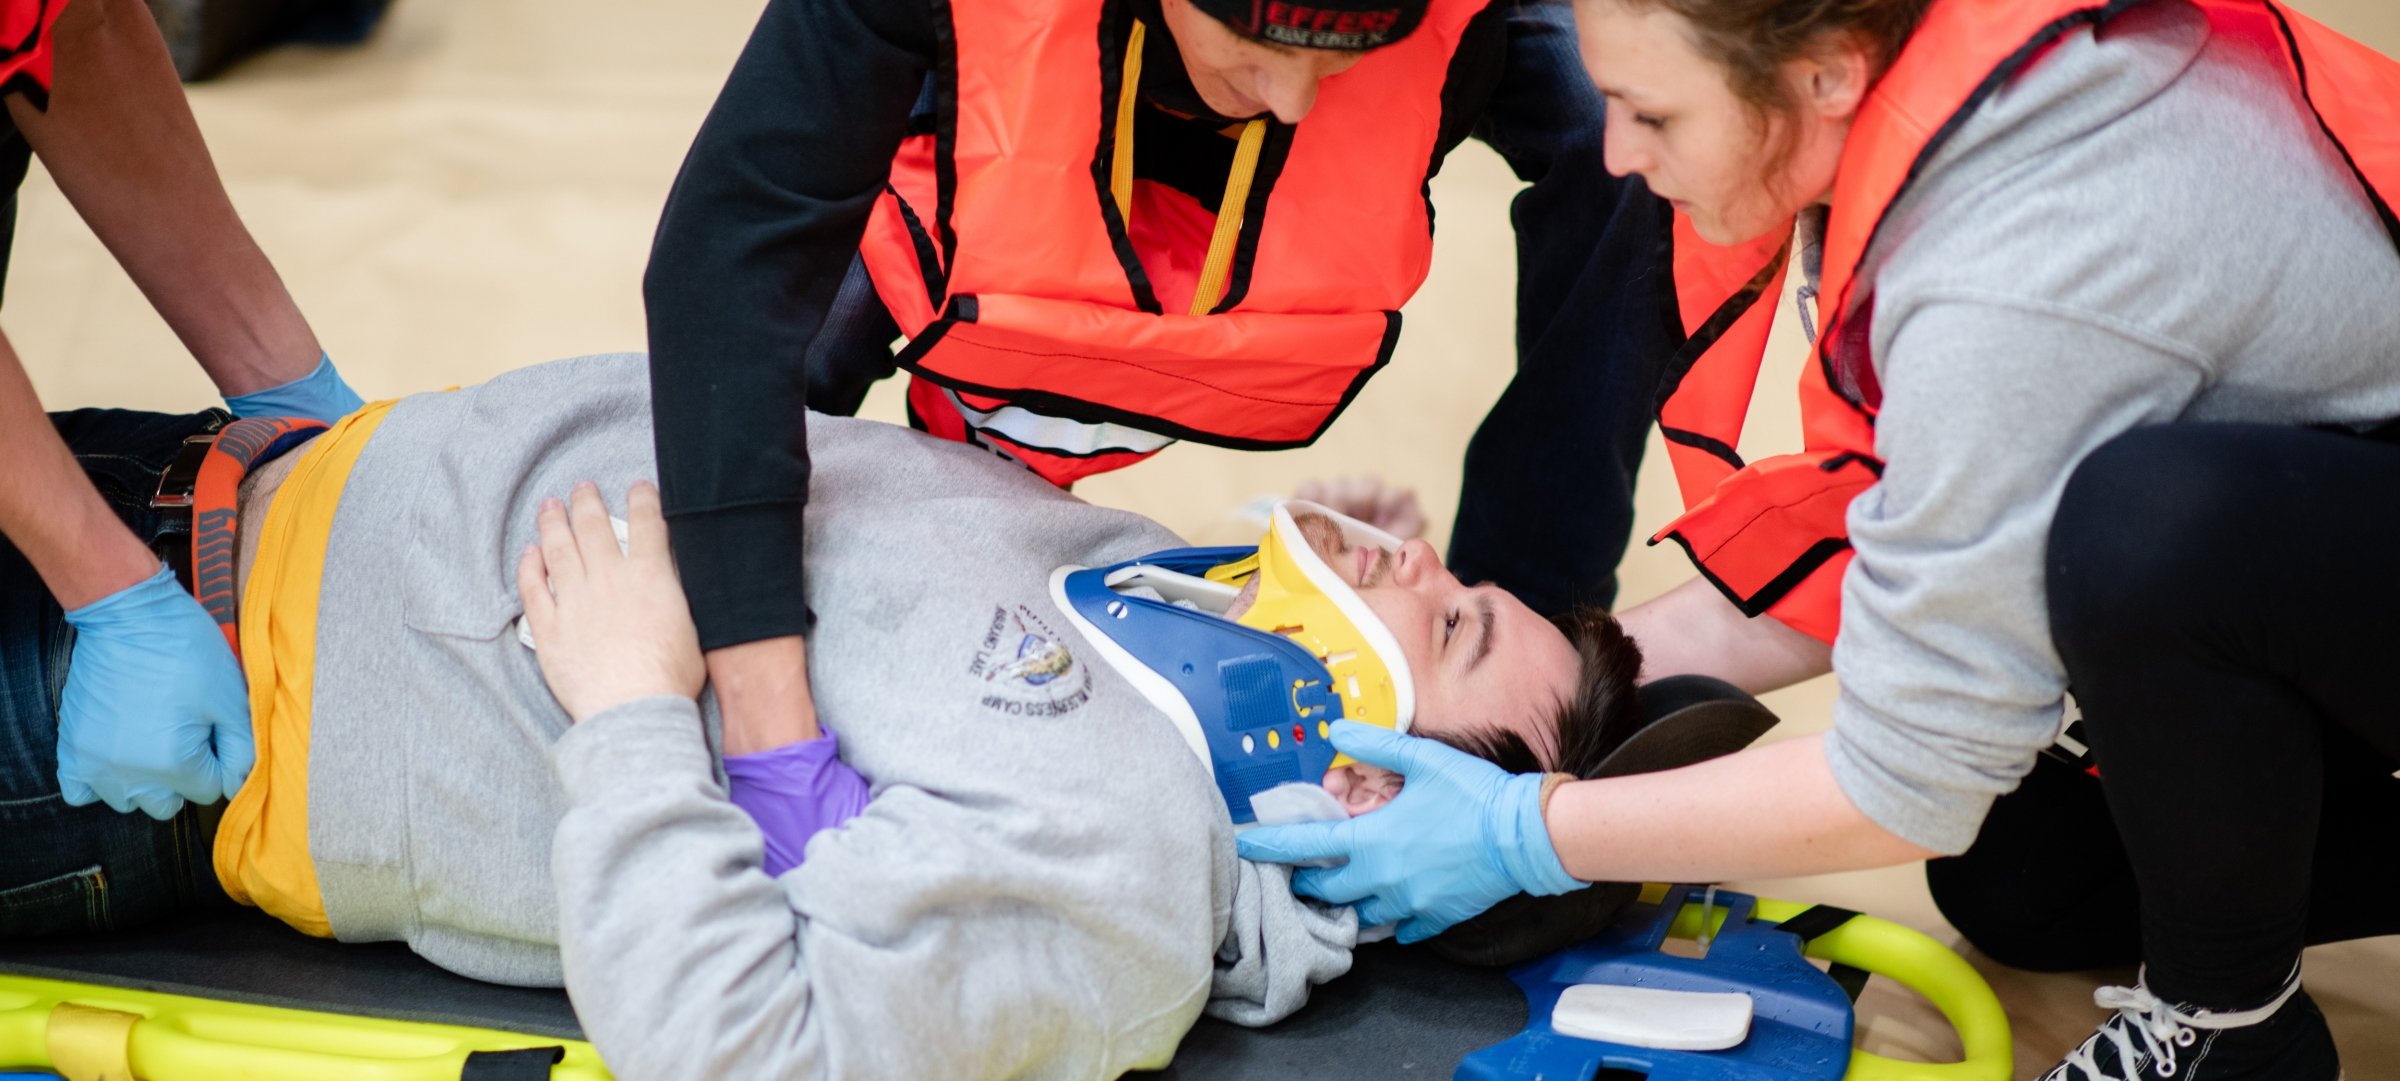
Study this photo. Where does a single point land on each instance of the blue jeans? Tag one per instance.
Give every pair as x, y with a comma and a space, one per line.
66, 870
1546, 505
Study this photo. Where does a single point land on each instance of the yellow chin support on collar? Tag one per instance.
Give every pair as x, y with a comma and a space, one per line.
1301, 597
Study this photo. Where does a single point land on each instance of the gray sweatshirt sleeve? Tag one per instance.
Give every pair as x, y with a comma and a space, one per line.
1277, 947
1950, 683
2145, 227
685, 960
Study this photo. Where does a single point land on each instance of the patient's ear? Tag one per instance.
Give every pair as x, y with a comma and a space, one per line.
1361, 787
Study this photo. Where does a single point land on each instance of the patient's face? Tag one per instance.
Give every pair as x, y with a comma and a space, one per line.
1479, 657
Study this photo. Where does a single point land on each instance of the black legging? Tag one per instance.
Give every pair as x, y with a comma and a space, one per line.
2227, 602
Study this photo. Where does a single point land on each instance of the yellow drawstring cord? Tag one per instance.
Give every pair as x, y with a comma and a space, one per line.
1120, 173
1229, 219
1219, 264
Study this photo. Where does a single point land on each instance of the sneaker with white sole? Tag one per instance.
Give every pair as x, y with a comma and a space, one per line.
2152, 1040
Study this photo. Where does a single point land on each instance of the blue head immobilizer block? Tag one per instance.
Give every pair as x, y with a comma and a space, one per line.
1800, 1029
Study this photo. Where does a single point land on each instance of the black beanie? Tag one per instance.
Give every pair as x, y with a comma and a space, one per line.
1348, 25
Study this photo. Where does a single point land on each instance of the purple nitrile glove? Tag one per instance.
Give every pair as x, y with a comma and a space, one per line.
792, 792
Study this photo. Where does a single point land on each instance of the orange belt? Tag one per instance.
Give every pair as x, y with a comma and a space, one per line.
205, 481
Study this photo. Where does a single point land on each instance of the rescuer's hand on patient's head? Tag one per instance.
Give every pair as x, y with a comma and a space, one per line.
612, 623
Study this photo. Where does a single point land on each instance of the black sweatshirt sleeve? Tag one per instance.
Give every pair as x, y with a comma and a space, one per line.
759, 229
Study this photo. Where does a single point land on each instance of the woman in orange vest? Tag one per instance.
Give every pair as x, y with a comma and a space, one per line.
2105, 299
1106, 225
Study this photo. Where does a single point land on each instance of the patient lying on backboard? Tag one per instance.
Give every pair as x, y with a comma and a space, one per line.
1041, 880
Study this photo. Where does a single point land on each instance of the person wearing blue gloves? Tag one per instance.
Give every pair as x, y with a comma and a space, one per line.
2094, 405
154, 713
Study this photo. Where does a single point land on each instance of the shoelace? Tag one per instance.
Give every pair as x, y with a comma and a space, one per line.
2162, 1028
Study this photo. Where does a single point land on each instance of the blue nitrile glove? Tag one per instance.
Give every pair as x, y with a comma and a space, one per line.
1462, 836
319, 395
154, 711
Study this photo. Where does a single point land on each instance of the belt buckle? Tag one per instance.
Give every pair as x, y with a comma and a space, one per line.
182, 475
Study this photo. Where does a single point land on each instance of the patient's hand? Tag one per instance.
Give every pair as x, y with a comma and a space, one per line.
613, 623
1369, 499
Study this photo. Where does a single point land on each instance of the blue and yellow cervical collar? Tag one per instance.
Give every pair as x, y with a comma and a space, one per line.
1254, 695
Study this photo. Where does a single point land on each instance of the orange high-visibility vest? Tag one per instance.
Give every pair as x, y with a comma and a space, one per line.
1028, 268
1771, 534
25, 47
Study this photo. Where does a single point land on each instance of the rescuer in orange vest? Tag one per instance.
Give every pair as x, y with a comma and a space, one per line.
2105, 302
151, 708
1107, 225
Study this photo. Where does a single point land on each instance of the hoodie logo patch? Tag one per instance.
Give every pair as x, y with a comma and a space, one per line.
1026, 669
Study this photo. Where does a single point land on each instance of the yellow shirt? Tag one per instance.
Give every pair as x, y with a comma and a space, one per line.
261, 853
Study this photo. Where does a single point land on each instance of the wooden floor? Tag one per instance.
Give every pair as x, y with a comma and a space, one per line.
475, 190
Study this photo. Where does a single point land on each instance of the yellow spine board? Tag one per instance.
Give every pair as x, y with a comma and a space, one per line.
178, 1038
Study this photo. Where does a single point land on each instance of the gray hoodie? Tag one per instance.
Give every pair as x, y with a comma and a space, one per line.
1044, 884
2146, 227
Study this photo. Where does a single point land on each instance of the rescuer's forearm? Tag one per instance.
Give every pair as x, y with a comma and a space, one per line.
1767, 812
48, 508
762, 692
119, 139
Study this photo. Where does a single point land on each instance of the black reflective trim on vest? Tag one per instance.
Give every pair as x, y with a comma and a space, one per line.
2291, 44
1116, 27
1719, 321
33, 34
1697, 441
1271, 158
1383, 356
929, 264
945, 135
961, 310
1816, 556
1065, 407
23, 82
1851, 457
1782, 584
